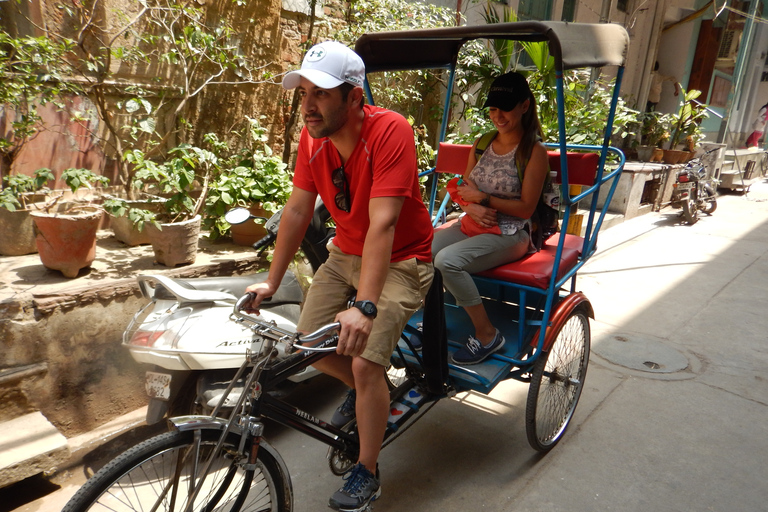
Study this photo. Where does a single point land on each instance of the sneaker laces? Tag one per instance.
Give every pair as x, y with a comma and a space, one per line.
348, 407
474, 345
356, 480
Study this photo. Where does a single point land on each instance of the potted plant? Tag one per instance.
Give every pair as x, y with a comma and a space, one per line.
252, 178
183, 182
129, 216
66, 231
686, 124
20, 196
654, 131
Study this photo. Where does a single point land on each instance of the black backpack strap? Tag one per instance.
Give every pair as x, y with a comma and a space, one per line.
435, 339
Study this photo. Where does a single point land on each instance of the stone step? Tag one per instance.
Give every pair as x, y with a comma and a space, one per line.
29, 445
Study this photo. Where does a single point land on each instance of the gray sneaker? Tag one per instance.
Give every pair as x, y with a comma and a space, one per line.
474, 351
359, 490
346, 411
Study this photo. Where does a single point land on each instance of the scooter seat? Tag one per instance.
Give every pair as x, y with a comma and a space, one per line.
289, 291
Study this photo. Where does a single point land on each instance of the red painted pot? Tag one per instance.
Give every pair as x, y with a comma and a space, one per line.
66, 241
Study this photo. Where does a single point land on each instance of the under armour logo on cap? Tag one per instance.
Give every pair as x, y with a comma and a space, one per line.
328, 65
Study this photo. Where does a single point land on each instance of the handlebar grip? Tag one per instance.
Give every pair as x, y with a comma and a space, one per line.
265, 241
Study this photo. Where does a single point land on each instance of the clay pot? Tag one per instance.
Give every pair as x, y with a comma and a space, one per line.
124, 229
645, 153
250, 232
176, 243
673, 156
17, 233
66, 240
127, 233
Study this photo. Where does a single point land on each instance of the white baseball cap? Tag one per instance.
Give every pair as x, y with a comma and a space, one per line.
328, 65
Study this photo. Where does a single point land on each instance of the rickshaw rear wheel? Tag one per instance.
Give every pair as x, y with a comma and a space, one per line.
556, 382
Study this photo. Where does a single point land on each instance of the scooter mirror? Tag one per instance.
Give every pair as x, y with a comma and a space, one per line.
238, 216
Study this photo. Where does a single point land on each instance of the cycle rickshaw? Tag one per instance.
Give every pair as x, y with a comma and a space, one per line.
212, 463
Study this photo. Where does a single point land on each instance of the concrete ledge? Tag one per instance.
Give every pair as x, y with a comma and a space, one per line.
30, 445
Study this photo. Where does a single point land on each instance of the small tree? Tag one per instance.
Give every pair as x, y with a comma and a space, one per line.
32, 72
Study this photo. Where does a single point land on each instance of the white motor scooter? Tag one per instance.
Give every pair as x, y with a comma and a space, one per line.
187, 334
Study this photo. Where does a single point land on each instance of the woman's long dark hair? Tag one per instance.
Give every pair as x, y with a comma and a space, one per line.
532, 133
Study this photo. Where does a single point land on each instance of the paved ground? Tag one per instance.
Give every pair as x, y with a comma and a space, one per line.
674, 415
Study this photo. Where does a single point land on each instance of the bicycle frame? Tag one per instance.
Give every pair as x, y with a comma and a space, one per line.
265, 378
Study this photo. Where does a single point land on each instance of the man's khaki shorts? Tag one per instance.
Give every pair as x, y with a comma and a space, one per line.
337, 279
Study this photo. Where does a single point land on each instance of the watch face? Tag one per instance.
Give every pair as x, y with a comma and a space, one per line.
367, 307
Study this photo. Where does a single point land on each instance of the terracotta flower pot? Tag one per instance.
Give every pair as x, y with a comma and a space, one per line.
673, 156
176, 243
248, 233
17, 233
66, 240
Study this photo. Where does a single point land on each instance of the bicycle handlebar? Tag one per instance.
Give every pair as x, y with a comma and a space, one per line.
293, 338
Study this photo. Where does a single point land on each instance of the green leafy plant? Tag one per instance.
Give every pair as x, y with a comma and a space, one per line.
687, 122
176, 179
251, 175
75, 178
138, 217
189, 48
32, 71
654, 128
19, 186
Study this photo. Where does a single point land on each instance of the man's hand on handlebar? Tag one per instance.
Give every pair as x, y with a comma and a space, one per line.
258, 292
353, 333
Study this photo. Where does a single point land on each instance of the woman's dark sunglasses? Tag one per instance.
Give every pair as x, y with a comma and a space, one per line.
340, 182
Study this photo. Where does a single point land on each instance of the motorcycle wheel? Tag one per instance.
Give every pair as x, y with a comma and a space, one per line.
709, 202
163, 470
690, 210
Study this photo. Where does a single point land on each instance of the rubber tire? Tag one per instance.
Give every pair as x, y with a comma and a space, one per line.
157, 455
690, 210
711, 205
552, 402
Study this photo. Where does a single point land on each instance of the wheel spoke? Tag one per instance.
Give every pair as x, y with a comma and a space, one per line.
161, 475
557, 382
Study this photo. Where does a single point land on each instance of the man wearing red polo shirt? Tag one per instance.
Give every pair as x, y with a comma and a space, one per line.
361, 160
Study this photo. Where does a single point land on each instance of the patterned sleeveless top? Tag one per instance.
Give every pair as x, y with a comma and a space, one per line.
497, 175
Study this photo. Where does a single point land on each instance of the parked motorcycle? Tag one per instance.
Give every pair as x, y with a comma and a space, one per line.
187, 335
695, 190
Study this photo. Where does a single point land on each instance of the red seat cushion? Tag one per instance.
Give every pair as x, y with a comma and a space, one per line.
535, 270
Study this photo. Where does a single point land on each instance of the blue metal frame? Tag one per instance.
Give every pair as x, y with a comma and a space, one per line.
593, 224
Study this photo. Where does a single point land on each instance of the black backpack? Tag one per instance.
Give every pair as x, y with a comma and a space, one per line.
544, 220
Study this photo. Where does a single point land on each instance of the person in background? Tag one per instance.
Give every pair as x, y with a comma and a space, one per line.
657, 80
494, 196
758, 127
361, 160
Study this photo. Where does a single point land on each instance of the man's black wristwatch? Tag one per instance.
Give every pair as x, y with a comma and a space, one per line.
367, 308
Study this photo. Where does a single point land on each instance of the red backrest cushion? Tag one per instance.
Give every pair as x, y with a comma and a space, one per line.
452, 158
582, 167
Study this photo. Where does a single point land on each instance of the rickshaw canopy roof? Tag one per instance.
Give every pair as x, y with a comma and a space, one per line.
573, 45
